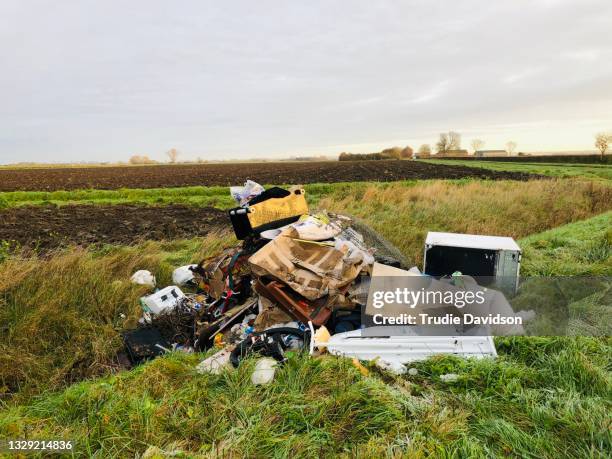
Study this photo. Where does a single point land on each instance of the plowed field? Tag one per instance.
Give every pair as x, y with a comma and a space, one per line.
46, 227
161, 176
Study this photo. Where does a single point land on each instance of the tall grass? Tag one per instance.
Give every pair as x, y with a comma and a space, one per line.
404, 214
60, 316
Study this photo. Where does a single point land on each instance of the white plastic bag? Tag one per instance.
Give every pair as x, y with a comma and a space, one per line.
264, 371
143, 277
182, 275
242, 194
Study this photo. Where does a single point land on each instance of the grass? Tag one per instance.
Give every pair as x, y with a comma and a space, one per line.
583, 248
543, 397
198, 195
61, 315
404, 214
585, 171
215, 196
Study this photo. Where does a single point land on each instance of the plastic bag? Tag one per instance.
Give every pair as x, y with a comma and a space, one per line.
243, 194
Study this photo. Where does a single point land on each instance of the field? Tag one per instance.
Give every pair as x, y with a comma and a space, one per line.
590, 171
108, 178
128, 216
41, 228
62, 308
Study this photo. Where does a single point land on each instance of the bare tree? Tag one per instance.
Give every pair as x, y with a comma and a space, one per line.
448, 141
602, 142
477, 144
510, 147
442, 146
455, 140
424, 150
172, 154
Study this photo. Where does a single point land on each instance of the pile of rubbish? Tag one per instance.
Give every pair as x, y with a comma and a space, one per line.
297, 281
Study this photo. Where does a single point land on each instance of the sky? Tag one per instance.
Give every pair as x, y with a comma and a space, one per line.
103, 80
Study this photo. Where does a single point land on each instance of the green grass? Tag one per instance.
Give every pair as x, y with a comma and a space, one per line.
540, 398
585, 171
582, 248
61, 316
402, 211
543, 396
198, 195
215, 196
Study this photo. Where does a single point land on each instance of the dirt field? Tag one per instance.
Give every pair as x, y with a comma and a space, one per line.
45, 228
108, 178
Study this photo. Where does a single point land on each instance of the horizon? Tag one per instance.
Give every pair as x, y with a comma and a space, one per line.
98, 83
246, 159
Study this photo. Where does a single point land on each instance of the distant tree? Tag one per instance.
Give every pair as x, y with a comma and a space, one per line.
407, 152
424, 150
393, 152
448, 141
602, 142
344, 156
172, 154
477, 144
510, 147
141, 159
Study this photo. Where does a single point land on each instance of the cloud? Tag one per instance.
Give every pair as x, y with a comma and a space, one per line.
522, 75
432, 93
587, 55
276, 78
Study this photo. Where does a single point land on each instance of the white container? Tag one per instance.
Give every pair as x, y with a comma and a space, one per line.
162, 300
495, 258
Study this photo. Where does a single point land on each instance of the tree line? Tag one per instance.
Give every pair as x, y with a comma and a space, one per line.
449, 142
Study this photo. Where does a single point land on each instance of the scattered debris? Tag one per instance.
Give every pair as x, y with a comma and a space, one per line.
363, 370
216, 362
143, 344
162, 300
143, 277
243, 194
183, 275
449, 377
265, 368
292, 272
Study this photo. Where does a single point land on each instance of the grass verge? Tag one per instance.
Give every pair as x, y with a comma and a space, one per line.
404, 214
541, 398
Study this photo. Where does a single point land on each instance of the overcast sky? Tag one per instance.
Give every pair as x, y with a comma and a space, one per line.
103, 80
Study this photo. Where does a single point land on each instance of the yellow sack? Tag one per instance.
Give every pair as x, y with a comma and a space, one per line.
278, 208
